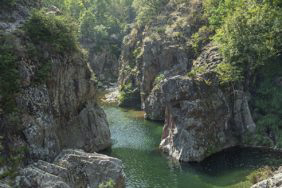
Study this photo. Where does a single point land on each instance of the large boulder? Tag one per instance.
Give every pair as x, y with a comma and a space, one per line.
200, 120
72, 169
196, 120
62, 112
155, 104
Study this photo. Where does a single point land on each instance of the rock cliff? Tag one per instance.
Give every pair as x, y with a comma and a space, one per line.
50, 107
60, 112
178, 84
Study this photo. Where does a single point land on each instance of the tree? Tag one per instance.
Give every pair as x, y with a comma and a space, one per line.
147, 9
251, 35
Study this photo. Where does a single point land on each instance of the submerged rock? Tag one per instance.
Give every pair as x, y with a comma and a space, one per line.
72, 169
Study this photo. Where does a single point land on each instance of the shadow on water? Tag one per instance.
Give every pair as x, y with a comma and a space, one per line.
136, 141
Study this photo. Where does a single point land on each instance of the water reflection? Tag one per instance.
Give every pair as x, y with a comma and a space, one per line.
136, 144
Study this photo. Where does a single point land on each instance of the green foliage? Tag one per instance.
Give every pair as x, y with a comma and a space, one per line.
228, 73
197, 70
129, 96
103, 23
268, 102
51, 29
148, 9
125, 92
159, 79
8, 3
108, 184
260, 174
251, 35
217, 10
13, 161
137, 52
9, 75
58, 3
42, 72
201, 38
91, 29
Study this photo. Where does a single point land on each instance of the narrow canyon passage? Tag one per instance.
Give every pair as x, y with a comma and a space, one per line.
136, 144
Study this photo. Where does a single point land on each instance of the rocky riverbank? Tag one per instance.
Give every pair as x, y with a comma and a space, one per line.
55, 108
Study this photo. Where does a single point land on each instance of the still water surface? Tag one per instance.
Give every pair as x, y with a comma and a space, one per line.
136, 144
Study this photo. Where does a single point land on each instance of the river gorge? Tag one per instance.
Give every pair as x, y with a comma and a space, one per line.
136, 142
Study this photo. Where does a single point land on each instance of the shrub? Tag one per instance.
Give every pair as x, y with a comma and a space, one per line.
251, 35
197, 70
260, 174
108, 184
201, 38
159, 79
228, 73
53, 30
268, 102
42, 72
148, 9
7, 3
9, 75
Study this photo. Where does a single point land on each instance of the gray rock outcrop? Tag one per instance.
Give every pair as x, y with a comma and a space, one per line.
104, 65
56, 110
161, 48
62, 113
196, 123
180, 86
73, 169
201, 117
273, 182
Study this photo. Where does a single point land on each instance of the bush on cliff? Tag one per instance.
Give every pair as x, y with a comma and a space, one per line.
57, 31
249, 34
148, 9
267, 103
9, 76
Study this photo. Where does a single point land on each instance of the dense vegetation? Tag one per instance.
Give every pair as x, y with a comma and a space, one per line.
42, 27
249, 34
102, 24
9, 77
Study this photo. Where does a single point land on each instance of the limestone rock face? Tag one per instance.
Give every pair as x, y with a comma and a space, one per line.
161, 49
72, 169
57, 92
196, 123
154, 105
199, 119
105, 66
12, 17
62, 113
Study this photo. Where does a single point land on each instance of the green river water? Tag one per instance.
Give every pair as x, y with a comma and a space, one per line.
135, 142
